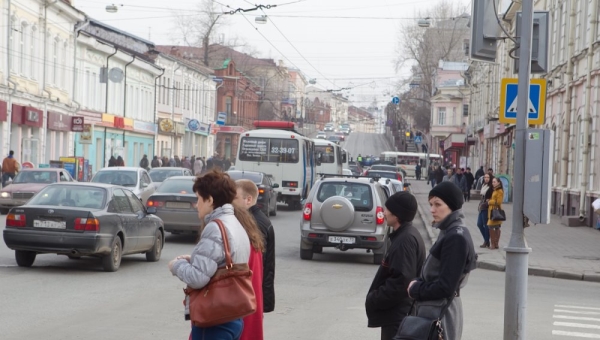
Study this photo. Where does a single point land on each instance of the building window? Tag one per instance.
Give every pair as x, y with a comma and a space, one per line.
465, 110
32, 53
441, 116
23, 48
228, 105
55, 53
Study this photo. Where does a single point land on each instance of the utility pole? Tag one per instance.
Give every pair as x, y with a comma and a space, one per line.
517, 252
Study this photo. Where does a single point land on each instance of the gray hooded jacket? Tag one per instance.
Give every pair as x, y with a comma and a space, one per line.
209, 253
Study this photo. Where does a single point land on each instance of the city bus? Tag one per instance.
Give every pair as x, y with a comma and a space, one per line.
330, 156
409, 160
278, 150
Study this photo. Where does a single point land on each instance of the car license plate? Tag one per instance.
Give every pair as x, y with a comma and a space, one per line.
341, 239
49, 224
178, 205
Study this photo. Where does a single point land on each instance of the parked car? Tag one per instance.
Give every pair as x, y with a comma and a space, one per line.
367, 161
335, 139
135, 179
347, 172
83, 219
345, 131
267, 196
383, 174
321, 135
27, 183
385, 167
158, 175
329, 127
174, 201
344, 213
341, 135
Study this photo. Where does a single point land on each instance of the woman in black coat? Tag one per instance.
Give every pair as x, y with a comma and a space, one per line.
449, 263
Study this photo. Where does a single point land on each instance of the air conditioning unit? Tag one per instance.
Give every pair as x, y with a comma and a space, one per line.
32, 116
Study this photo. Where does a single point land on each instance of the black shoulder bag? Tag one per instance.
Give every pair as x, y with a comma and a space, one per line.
414, 327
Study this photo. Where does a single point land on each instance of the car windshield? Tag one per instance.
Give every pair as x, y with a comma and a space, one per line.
382, 174
334, 138
70, 196
36, 177
327, 153
253, 176
357, 193
159, 175
177, 186
384, 167
117, 177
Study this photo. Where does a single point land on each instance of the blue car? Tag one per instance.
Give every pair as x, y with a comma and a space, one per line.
367, 161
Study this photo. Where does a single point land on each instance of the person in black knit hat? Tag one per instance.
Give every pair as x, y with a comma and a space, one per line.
449, 263
387, 300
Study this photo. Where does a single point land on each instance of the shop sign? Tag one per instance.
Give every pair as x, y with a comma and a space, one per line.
203, 129
179, 128
85, 137
58, 121
227, 129
144, 126
165, 125
193, 125
3, 111
119, 122
77, 124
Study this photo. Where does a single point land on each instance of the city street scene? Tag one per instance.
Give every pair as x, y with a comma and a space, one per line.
311, 169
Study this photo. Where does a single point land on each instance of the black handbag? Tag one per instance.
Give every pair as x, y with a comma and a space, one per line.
498, 214
414, 327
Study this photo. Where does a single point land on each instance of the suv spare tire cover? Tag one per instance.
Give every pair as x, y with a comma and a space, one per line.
337, 213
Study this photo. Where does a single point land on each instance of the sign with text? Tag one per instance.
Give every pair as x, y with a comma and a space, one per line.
77, 124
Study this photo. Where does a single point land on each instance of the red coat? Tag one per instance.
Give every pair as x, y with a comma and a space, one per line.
253, 324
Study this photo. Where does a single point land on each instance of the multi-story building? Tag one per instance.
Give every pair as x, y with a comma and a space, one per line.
117, 81
37, 79
449, 112
297, 86
185, 107
572, 106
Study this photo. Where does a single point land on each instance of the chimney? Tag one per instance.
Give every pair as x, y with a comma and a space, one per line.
281, 63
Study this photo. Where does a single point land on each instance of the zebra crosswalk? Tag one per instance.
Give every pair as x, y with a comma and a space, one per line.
571, 322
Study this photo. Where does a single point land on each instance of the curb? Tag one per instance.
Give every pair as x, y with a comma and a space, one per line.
501, 267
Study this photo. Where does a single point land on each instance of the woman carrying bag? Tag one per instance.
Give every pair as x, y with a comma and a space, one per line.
215, 192
446, 269
495, 203
482, 218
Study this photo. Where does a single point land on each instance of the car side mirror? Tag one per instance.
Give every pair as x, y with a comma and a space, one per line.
151, 210
144, 185
275, 185
344, 158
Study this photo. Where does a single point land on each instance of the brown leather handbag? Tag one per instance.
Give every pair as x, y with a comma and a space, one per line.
227, 296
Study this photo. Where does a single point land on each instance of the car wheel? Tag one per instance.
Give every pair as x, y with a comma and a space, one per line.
306, 254
274, 212
153, 255
112, 261
318, 249
3, 211
25, 258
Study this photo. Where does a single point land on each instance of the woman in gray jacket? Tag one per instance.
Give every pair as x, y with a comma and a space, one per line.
450, 260
215, 191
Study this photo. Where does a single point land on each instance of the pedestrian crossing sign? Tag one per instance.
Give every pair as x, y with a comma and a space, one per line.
536, 109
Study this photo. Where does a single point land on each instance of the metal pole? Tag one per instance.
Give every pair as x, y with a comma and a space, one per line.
517, 252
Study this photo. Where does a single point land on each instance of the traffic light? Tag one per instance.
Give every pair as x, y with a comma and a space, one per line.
485, 31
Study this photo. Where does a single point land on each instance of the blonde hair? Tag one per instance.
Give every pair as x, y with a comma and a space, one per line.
248, 187
249, 223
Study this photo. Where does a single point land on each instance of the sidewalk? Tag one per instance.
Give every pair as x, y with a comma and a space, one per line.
556, 250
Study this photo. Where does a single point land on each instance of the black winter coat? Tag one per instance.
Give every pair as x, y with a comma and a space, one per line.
387, 301
265, 226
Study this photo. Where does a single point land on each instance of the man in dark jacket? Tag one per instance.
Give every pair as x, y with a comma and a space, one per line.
470, 181
155, 163
387, 301
247, 196
144, 163
438, 174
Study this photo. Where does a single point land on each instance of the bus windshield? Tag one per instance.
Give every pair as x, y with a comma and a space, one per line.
273, 150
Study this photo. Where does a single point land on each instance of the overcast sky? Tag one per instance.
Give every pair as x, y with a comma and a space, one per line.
340, 43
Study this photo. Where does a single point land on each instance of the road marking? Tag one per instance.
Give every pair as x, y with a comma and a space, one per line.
575, 312
574, 318
577, 307
577, 334
579, 325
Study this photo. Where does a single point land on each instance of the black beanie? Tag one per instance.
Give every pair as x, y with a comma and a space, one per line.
403, 205
449, 193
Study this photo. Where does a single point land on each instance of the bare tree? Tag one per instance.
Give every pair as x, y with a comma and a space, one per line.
423, 48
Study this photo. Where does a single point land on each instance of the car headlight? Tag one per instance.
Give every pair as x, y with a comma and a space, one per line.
5, 195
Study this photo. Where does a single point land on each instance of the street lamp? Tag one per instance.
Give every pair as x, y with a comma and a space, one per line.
113, 8
261, 19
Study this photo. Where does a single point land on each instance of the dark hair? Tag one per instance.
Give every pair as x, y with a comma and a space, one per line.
218, 185
249, 223
499, 181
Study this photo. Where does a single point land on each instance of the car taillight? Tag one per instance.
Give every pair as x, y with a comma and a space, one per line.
398, 177
15, 220
261, 191
289, 184
380, 217
87, 224
307, 213
156, 204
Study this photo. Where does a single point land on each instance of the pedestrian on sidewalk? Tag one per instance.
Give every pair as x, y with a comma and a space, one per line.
10, 167
438, 175
387, 301
418, 172
482, 218
449, 263
470, 180
495, 202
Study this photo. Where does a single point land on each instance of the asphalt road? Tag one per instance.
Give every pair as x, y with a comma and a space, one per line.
366, 144
321, 299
